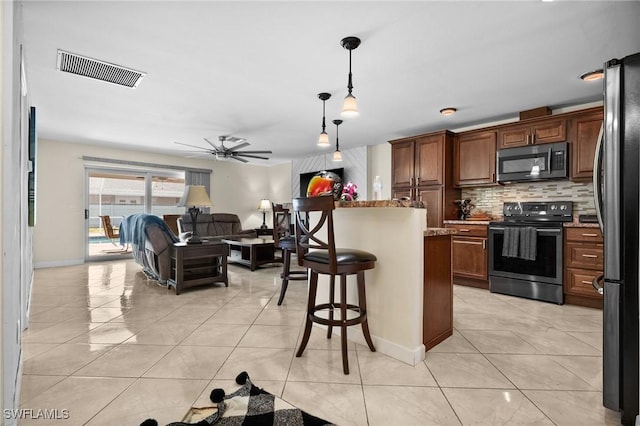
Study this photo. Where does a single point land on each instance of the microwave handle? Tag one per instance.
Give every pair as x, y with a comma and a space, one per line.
549, 161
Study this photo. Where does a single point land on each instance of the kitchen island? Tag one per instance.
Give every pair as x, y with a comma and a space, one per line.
395, 231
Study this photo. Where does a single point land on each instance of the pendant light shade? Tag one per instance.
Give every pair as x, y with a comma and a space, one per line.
323, 140
337, 155
349, 107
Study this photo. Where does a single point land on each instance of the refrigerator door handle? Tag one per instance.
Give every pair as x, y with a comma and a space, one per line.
596, 283
597, 176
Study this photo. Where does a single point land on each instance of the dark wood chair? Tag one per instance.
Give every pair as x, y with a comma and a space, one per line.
320, 255
287, 243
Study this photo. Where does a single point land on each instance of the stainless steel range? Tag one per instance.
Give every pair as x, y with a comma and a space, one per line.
525, 250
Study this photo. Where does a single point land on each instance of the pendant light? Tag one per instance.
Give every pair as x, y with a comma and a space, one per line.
323, 140
349, 107
337, 155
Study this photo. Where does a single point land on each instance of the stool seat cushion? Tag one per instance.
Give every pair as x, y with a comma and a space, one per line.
288, 243
344, 256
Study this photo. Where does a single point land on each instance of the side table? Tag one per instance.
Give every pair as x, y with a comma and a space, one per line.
263, 231
198, 264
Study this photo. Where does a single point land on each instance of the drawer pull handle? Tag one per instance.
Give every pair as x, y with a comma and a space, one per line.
586, 282
589, 235
590, 255
464, 230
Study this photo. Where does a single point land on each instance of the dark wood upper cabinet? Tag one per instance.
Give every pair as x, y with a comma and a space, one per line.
429, 164
474, 158
402, 160
584, 130
546, 131
422, 170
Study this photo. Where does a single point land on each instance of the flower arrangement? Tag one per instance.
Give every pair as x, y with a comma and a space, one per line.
349, 192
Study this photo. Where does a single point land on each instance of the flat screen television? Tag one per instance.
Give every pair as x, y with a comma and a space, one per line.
305, 178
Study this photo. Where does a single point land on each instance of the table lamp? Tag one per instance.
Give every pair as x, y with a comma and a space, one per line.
194, 197
264, 205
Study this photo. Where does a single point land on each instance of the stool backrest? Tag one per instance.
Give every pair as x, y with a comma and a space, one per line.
281, 222
308, 230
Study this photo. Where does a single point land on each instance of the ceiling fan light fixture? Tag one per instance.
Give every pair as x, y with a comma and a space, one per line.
593, 75
349, 107
448, 111
323, 139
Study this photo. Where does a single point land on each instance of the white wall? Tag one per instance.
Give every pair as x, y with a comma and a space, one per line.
59, 231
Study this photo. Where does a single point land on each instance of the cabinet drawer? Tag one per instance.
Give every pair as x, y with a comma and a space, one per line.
583, 235
469, 230
578, 282
589, 256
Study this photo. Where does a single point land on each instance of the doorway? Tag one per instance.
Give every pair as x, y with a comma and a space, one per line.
119, 193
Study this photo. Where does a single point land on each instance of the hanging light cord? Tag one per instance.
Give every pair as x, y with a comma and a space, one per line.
350, 84
324, 125
337, 143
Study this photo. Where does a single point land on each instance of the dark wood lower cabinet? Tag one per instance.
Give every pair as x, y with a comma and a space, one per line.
438, 290
583, 261
470, 255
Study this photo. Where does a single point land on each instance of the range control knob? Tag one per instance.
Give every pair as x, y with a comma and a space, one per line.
563, 207
554, 207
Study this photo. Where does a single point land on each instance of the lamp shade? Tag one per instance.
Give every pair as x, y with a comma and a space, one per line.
349, 107
265, 204
337, 156
323, 140
195, 196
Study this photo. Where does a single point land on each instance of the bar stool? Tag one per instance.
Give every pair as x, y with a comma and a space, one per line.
322, 257
287, 243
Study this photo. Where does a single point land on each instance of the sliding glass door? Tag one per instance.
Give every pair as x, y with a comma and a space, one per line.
113, 194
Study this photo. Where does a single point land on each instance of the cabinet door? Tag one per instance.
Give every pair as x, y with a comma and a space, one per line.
402, 158
432, 197
513, 136
475, 159
429, 160
549, 131
470, 257
584, 136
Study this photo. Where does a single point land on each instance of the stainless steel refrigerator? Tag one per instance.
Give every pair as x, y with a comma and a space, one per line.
616, 186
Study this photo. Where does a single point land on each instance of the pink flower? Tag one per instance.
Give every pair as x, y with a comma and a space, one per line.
349, 192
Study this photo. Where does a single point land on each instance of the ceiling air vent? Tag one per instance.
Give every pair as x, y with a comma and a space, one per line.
100, 70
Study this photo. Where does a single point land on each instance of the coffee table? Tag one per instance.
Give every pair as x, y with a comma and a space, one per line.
252, 252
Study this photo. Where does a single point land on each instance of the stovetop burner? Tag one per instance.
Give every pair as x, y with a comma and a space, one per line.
538, 211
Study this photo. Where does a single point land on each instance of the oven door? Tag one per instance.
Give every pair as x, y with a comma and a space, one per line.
547, 266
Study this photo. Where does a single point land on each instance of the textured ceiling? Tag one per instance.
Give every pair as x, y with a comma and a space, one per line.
254, 69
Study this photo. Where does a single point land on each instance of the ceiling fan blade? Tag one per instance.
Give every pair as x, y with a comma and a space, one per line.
237, 158
211, 143
242, 145
199, 155
249, 156
254, 152
234, 139
193, 146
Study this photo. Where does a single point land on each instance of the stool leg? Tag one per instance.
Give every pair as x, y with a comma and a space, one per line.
343, 325
362, 302
311, 303
332, 290
286, 266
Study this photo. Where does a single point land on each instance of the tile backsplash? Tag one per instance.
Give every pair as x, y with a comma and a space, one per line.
490, 199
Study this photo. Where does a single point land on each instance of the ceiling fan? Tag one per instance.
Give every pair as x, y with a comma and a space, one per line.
221, 151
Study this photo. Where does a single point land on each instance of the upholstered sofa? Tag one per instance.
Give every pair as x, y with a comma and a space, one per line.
214, 226
150, 238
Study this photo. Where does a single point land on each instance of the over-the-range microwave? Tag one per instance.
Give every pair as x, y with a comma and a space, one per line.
533, 162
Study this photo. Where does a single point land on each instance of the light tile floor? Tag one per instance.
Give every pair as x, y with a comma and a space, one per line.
114, 348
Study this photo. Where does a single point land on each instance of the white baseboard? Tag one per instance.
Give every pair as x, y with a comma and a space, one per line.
411, 356
58, 263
